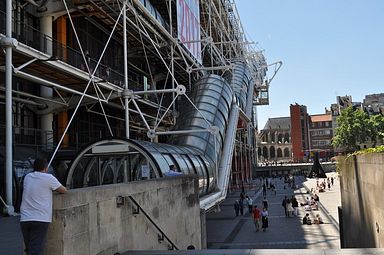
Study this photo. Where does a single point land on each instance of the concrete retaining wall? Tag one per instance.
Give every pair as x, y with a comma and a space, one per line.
88, 220
362, 199
301, 168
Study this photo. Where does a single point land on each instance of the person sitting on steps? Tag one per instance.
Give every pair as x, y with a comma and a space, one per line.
307, 220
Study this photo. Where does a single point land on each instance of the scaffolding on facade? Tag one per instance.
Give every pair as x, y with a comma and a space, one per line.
135, 71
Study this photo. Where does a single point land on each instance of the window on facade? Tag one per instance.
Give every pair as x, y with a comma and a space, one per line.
272, 152
286, 152
279, 153
280, 138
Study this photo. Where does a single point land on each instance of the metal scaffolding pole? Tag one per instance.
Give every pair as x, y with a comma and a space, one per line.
8, 105
126, 99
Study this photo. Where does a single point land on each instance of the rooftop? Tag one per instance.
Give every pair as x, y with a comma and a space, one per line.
321, 117
278, 123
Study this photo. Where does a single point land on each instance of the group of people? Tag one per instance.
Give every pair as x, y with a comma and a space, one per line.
290, 206
260, 217
321, 187
268, 184
311, 203
244, 201
307, 220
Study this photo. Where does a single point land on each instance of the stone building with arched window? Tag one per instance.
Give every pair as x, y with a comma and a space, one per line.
274, 141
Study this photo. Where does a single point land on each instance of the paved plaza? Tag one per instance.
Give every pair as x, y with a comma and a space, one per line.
225, 231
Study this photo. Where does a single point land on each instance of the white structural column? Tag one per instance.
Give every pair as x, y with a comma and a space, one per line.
126, 102
46, 46
7, 44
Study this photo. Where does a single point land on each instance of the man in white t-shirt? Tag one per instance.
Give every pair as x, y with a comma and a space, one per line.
36, 206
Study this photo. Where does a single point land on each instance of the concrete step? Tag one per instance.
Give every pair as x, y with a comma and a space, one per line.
367, 251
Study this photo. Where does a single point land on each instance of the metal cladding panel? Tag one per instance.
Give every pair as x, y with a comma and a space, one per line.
240, 80
182, 157
212, 95
200, 152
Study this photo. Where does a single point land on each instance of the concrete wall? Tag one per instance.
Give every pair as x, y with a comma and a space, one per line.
362, 191
88, 221
291, 168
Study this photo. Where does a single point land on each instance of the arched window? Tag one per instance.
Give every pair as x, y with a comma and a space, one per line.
286, 153
265, 152
273, 137
279, 152
259, 151
272, 152
280, 138
286, 138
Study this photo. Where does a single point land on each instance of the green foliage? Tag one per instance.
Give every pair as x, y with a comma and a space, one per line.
377, 124
356, 127
378, 149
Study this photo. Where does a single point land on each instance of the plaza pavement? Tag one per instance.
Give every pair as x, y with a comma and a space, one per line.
331, 199
225, 231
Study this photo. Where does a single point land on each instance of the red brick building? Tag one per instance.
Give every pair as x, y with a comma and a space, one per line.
299, 132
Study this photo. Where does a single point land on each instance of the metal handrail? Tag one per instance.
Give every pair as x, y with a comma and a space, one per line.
163, 235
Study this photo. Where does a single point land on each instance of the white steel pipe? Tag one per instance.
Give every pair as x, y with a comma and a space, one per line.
8, 105
125, 42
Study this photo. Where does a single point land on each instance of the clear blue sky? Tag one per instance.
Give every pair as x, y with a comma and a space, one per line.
328, 47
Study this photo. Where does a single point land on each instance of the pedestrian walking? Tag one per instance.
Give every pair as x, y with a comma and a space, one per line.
264, 190
241, 207
265, 202
284, 205
256, 217
236, 206
36, 206
289, 207
249, 202
264, 219
242, 196
295, 206
273, 189
332, 180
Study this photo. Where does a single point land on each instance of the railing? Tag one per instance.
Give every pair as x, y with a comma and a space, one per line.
29, 137
41, 139
36, 39
40, 41
161, 235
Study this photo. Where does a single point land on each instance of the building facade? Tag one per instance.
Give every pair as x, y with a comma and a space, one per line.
274, 141
83, 71
321, 133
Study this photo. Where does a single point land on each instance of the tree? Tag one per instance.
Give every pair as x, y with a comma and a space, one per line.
354, 128
377, 125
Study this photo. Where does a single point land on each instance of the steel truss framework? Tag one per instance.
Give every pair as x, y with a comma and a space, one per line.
151, 47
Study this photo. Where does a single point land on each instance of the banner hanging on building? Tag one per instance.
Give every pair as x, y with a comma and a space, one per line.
188, 26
